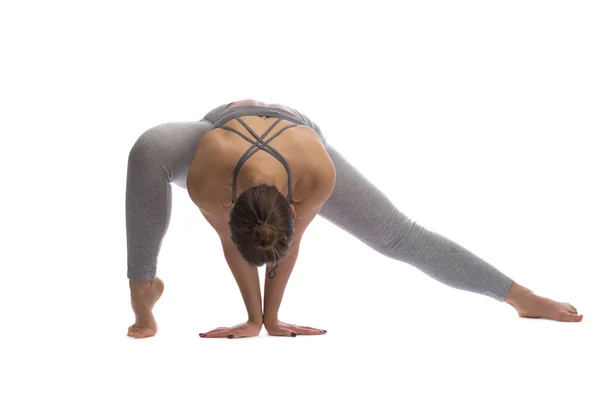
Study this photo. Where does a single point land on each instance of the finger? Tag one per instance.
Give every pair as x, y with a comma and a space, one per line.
218, 334
568, 317
222, 328
571, 308
219, 329
302, 326
283, 332
240, 334
307, 330
310, 327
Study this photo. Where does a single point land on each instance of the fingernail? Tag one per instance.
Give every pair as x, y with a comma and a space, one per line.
230, 336
293, 334
323, 330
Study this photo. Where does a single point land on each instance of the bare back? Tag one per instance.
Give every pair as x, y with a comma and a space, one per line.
210, 178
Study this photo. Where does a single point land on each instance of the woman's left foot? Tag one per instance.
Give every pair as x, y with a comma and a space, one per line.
530, 305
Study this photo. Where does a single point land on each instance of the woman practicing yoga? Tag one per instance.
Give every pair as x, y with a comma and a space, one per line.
260, 173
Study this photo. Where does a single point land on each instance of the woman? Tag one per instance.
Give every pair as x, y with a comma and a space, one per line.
260, 198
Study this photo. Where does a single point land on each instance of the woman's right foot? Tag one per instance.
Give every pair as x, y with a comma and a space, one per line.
144, 294
529, 305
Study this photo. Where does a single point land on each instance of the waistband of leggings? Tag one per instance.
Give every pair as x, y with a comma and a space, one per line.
258, 111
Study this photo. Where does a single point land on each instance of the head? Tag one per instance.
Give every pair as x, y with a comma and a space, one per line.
262, 225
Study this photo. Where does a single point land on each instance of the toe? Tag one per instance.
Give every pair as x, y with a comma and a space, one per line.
575, 317
140, 333
569, 317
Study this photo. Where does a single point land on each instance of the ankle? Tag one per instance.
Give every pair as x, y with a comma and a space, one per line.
140, 286
136, 282
516, 294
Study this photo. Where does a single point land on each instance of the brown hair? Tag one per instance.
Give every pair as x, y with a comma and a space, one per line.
261, 225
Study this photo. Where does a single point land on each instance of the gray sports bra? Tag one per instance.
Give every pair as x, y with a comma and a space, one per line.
260, 111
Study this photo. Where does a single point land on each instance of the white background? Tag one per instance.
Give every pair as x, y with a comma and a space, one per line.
478, 119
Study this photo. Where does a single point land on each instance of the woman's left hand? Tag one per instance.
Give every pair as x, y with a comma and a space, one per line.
278, 328
246, 329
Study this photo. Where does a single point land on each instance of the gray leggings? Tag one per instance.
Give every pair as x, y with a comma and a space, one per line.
163, 154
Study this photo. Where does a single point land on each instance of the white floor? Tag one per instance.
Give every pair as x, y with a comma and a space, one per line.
392, 333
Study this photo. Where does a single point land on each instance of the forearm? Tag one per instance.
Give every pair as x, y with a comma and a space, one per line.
247, 280
275, 287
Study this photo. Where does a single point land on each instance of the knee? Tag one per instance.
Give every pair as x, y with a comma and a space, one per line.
147, 147
149, 154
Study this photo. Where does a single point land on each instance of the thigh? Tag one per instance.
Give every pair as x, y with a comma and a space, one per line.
171, 147
358, 206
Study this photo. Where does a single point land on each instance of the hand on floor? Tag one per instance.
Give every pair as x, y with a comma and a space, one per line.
246, 329
278, 328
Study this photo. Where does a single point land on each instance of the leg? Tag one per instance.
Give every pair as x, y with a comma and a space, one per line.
362, 210
161, 155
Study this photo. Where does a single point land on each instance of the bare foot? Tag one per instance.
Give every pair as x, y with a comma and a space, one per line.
144, 294
530, 305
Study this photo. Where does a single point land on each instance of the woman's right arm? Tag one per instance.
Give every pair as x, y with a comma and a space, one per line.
247, 280
245, 276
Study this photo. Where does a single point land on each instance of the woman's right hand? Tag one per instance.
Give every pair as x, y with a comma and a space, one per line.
246, 329
278, 328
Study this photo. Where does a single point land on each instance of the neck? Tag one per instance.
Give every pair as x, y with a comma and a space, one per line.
255, 178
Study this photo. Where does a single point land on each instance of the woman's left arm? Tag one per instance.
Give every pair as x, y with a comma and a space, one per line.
275, 286
276, 280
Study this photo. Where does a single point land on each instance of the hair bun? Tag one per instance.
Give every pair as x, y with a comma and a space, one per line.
264, 235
